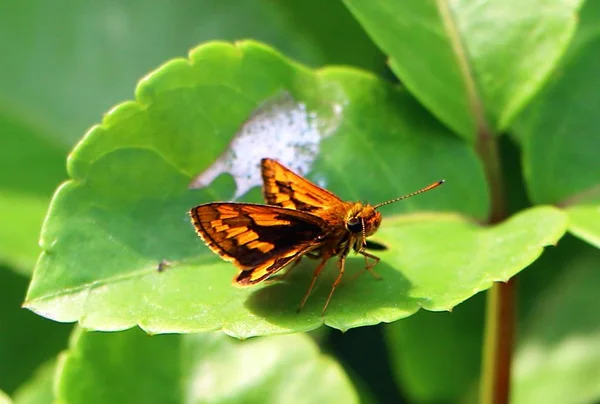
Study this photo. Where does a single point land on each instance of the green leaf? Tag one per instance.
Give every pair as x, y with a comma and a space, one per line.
451, 57
560, 136
560, 160
584, 222
189, 298
102, 367
473, 256
124, 211
40, 388
26, 340
558, 356
30, 168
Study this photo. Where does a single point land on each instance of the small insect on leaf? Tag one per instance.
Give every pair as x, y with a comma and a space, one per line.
301, 219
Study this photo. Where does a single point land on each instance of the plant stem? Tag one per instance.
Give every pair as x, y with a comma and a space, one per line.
500, 317
499, 326
497, 349
486, 147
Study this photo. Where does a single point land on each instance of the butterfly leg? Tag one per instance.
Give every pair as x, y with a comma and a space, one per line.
368, 267
341, 265
312, 283
371, 266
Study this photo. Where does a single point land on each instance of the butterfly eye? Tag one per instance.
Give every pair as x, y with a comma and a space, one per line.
354, 225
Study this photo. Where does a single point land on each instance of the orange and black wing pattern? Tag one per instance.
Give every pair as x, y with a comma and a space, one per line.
282, 187
260, 240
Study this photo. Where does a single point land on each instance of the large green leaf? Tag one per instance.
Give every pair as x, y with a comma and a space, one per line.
560, 151
468, 60
561, 137
203, 368
124, 211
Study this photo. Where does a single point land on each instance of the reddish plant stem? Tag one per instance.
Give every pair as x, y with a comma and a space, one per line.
504, 343
499, 328
500, 311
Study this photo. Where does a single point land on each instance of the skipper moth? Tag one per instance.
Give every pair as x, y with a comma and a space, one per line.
299, 220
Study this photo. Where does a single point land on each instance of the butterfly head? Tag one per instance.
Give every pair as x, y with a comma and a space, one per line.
363, 219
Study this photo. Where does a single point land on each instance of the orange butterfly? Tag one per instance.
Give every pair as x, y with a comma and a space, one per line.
301, 219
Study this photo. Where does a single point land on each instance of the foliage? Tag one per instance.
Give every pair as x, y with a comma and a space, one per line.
510, 121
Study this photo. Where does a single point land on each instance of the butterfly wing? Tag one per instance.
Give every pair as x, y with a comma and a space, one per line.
259, 239
282, 187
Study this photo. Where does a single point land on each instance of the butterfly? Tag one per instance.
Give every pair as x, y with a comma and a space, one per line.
299, 220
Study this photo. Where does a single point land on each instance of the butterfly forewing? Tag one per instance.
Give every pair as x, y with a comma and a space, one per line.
259, 239
282, 187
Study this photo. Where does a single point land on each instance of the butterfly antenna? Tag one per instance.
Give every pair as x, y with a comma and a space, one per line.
427, 188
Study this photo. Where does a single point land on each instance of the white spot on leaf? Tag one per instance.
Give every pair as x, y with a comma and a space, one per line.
282, 129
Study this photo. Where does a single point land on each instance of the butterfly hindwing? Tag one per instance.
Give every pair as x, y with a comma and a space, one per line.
282, 187
258, 239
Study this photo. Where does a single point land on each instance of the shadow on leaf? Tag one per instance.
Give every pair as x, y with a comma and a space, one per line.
359, 296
